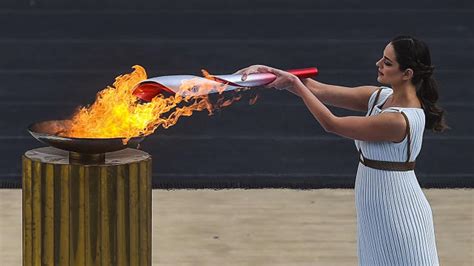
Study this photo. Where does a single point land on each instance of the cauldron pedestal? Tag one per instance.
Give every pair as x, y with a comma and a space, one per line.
92, 213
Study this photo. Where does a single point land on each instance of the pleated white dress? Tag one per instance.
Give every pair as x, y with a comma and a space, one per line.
394, 218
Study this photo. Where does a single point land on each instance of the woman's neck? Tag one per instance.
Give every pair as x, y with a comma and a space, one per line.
404, 95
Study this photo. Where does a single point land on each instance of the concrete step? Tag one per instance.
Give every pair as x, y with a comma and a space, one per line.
209, 23
224, 156
239, 119
76, 88
219, 56
229, 5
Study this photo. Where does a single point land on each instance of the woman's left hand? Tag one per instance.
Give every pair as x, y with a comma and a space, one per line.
284, 80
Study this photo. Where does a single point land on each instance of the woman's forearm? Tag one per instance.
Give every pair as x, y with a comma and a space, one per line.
351, 98
316, 107
319, 89
315, 87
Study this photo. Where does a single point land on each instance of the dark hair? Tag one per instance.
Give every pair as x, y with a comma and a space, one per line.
413, 53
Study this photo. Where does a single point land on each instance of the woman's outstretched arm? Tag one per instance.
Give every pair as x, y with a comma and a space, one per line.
383, 127
351, 98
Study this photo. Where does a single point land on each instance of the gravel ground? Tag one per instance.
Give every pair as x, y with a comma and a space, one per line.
265, 227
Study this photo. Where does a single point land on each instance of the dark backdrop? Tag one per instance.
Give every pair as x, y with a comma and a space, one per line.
56, 54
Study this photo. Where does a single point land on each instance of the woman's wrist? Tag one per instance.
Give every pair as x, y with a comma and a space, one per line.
311, 85
300, 88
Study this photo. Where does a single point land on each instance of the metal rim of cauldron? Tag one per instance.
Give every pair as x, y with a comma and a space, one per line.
82, 145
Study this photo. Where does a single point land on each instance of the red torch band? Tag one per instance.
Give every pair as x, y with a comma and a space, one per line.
304, 72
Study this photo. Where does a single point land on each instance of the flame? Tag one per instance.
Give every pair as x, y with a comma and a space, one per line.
222, 103
116, 113
253, 100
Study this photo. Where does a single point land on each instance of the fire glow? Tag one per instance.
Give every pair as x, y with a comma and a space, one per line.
117, 114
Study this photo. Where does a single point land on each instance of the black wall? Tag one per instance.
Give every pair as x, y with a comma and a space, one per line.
55, 55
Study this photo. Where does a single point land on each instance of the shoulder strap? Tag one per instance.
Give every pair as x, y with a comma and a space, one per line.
373, 105
376, 99
407, 133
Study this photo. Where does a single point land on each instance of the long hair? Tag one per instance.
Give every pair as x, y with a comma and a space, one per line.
415, 54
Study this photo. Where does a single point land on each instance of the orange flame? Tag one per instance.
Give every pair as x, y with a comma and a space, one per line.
116, 113
253, 100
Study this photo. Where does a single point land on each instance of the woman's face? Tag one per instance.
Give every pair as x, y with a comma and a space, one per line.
388, 68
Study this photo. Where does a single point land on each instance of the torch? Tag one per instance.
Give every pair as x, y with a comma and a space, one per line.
147, 89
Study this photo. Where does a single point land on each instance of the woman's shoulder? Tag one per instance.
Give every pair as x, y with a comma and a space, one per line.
386, 91
415, 116
407, 110
383, 92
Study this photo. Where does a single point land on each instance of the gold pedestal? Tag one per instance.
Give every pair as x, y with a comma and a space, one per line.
94, 214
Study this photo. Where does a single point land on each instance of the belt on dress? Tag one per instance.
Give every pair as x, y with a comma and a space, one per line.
385, 165
388, 166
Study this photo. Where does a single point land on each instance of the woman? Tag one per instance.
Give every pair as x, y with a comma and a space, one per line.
394, 218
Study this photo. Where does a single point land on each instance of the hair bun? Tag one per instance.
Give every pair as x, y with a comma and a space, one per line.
425, 71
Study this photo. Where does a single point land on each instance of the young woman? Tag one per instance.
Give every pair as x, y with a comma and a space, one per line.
394, 218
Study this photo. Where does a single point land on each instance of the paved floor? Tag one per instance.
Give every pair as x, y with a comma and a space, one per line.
265, 227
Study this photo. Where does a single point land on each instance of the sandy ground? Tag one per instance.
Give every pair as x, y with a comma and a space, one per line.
265, 227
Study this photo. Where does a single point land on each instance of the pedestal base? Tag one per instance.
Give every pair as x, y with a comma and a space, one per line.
77, 214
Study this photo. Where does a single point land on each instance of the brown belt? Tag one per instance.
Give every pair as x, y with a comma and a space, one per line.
388, 166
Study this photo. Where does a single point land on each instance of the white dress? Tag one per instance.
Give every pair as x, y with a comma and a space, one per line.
394, 218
